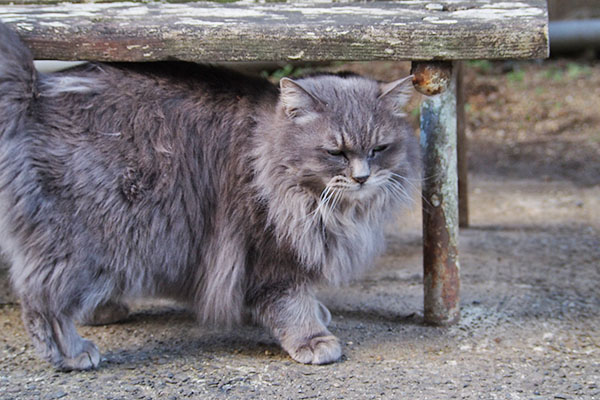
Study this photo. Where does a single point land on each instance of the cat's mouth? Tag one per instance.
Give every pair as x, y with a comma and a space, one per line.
341, 188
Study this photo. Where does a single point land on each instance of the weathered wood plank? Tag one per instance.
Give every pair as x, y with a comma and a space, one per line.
243, 31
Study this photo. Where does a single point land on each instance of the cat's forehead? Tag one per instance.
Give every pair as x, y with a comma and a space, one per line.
353, 137
342, 90
350, 100
352, 114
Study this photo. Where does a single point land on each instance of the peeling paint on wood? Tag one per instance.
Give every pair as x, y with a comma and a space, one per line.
249, 31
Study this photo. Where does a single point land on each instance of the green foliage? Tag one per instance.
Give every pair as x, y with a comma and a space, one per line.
575, 70
554, 74
288, 70
572, 70
516, 76
483, 66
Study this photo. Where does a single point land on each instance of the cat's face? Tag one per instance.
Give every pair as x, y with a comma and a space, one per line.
346, 137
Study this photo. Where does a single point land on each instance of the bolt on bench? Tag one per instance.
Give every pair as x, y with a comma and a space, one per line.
433, 35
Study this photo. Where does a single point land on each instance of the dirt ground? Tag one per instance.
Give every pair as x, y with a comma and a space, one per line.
530, 266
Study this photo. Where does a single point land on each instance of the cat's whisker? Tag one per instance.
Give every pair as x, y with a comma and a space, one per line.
378, 181
400, 192
405, 193
390, 192
328, 193
312, 218
400, 186
406, 178
336, 198
320, 202
328, 206
410, 181
393, 190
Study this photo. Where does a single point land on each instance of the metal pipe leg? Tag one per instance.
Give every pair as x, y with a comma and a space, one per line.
462, 149
440, 192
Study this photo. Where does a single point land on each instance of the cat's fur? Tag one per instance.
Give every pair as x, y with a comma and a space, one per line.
193, 183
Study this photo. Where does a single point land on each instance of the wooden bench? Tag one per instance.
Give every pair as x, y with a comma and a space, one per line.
432, 34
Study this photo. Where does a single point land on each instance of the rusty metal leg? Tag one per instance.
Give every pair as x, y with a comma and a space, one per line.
440, 193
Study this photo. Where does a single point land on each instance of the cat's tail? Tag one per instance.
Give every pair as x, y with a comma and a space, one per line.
18, 77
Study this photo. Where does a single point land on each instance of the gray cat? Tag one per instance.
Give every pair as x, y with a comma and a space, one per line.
175, 180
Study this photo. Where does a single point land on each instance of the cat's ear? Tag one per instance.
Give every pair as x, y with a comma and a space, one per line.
298, 103
396, 94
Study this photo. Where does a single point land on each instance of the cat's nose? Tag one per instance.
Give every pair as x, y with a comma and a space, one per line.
360, 179
360, 170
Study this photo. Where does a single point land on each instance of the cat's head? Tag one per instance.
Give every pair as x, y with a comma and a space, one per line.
346, 137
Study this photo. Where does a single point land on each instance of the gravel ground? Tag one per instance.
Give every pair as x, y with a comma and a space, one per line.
530, 266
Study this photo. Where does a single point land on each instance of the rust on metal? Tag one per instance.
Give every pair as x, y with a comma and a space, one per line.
440, 207
441, 272
431, 77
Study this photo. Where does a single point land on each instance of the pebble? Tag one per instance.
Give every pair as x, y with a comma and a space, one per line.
56, 395
434, 7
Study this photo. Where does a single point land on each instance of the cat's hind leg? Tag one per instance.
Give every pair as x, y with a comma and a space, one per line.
298, 320
53, 293
108, 313
57, 341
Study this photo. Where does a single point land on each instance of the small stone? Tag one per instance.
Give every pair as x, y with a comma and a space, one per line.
56, 395
434, 7
548, 336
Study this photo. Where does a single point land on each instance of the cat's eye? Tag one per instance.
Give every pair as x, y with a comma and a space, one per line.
335, 152
377, 149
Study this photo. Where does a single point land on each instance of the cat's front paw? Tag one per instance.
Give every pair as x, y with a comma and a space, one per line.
320, 349
88, 358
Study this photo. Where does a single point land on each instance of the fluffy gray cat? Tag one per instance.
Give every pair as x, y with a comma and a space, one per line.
221, 191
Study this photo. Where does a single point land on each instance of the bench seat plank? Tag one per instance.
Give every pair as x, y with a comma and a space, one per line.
249, 31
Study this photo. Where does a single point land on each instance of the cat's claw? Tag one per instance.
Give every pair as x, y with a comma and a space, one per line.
324, 349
